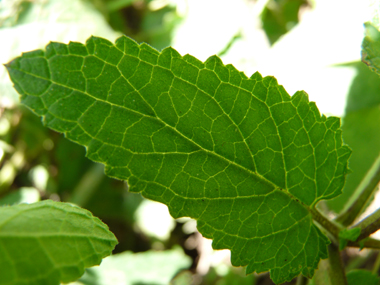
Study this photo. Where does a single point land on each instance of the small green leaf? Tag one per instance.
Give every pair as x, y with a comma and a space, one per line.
279, 17
348, 235
371, 47
238, 154
50, 242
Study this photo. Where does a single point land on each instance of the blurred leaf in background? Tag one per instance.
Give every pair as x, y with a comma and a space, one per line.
280, 16
150, 21
371, 47
29, 25
128, 268
361, 129
362, 114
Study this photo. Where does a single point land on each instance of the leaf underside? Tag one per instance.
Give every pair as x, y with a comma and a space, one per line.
50, 242
237, 154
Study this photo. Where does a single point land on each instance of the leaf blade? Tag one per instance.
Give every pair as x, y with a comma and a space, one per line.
50, 242
233, 152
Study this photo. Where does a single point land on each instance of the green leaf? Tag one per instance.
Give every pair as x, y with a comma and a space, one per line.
361, 276
279, 17
238, 154
50, 242
371, 47
361, 131
348, 235
128, 268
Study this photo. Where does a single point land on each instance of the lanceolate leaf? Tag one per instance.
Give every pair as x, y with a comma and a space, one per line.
238, 154
50, 242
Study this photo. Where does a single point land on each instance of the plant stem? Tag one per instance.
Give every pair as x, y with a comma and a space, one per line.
328, 225
302, 280
362, 193
336, 270
377, 265
369, 225
87, 185
368, 243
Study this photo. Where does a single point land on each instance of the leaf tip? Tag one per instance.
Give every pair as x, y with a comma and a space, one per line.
256, 76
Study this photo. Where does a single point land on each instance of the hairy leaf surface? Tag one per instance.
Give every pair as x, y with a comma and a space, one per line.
238, 154
50, 242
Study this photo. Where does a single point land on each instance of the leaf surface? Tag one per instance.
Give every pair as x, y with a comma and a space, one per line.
361, 276
50, 242
238, 154
371, 47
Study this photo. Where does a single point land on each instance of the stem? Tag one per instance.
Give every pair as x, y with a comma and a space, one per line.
328, 225
237, 36
368, 243
336, 272
369, 225
377, 265
362, 194
87, 185
302, 280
